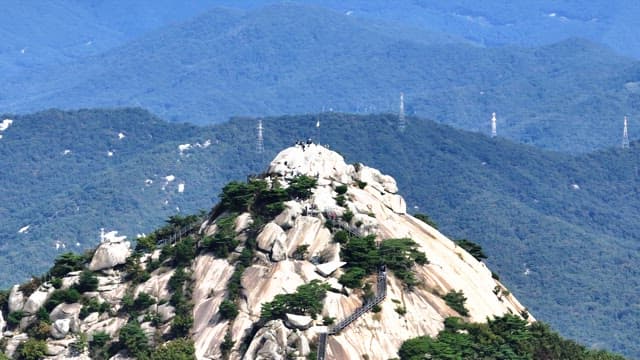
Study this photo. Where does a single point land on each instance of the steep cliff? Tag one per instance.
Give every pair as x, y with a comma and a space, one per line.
310, 224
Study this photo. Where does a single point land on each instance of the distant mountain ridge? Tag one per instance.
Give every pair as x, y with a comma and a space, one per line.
292, 59
543, 217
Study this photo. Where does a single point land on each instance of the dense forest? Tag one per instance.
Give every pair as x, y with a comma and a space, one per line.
543, 217
291, 59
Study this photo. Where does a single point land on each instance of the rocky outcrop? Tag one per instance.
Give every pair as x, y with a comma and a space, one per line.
38, 298
110, 253
16, 299
293, 249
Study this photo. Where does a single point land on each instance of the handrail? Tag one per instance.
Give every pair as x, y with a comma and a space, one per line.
178, 235
381, 294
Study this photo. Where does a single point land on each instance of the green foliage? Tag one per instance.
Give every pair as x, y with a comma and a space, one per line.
456, 300
13, 319
178, 279
180, 325
352, 278
133, 339
347, 215
39, 330
43, 315
60, 296
307, 300
235, 283
400, 255
178, 349
341, 200
228, 309
143, 301
301, 187
98, 345
300, 252
31, 349
87, 282
341, 189
30, 286
66, 263
185, 252
341, 236
426, 219
224, 240
361, 252
93, 305
472, 248
80, 345
507, 337
134, 271
227, 344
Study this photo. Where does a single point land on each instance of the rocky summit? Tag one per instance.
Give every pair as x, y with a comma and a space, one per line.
313, 257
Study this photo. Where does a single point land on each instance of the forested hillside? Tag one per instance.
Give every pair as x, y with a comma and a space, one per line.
559, 227
293, 59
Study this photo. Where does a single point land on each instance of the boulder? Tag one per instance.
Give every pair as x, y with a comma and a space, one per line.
279, 250
243, 222
38, 298
60, 328
287, 217
55, 349
16, 299
13, 343
327, 269
302, 322
166, 312
109, 254
70, 312
269, 234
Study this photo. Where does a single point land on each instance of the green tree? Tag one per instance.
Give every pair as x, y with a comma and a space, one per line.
134, 340
472, 248
178, 349
88, 282
66, 263
228, 309
32, 349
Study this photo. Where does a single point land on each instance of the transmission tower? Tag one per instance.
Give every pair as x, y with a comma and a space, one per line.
402, 122
625, 135
494, 131
260, 140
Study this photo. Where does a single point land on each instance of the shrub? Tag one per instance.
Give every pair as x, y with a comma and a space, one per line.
228, 310
134, 340
352, 278
146, 243
181, 324
341, 200
234, 285
13, 319
472, 248
426, 219
300, 252
227, 344
347, 215
341, 236
39, 330
361, 252
87, 282
307, 300
456, 300
177, 279
60, 296
56, 283
185, 252
30, 286
224, 241
178, 349
92, 305
97, 345
66, 263
328, 320
301, 186
31, 349
143, 301
341, 189
361, 184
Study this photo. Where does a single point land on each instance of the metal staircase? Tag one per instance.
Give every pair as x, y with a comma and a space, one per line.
381, 294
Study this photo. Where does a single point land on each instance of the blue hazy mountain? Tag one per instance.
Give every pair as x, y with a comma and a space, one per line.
280, 59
